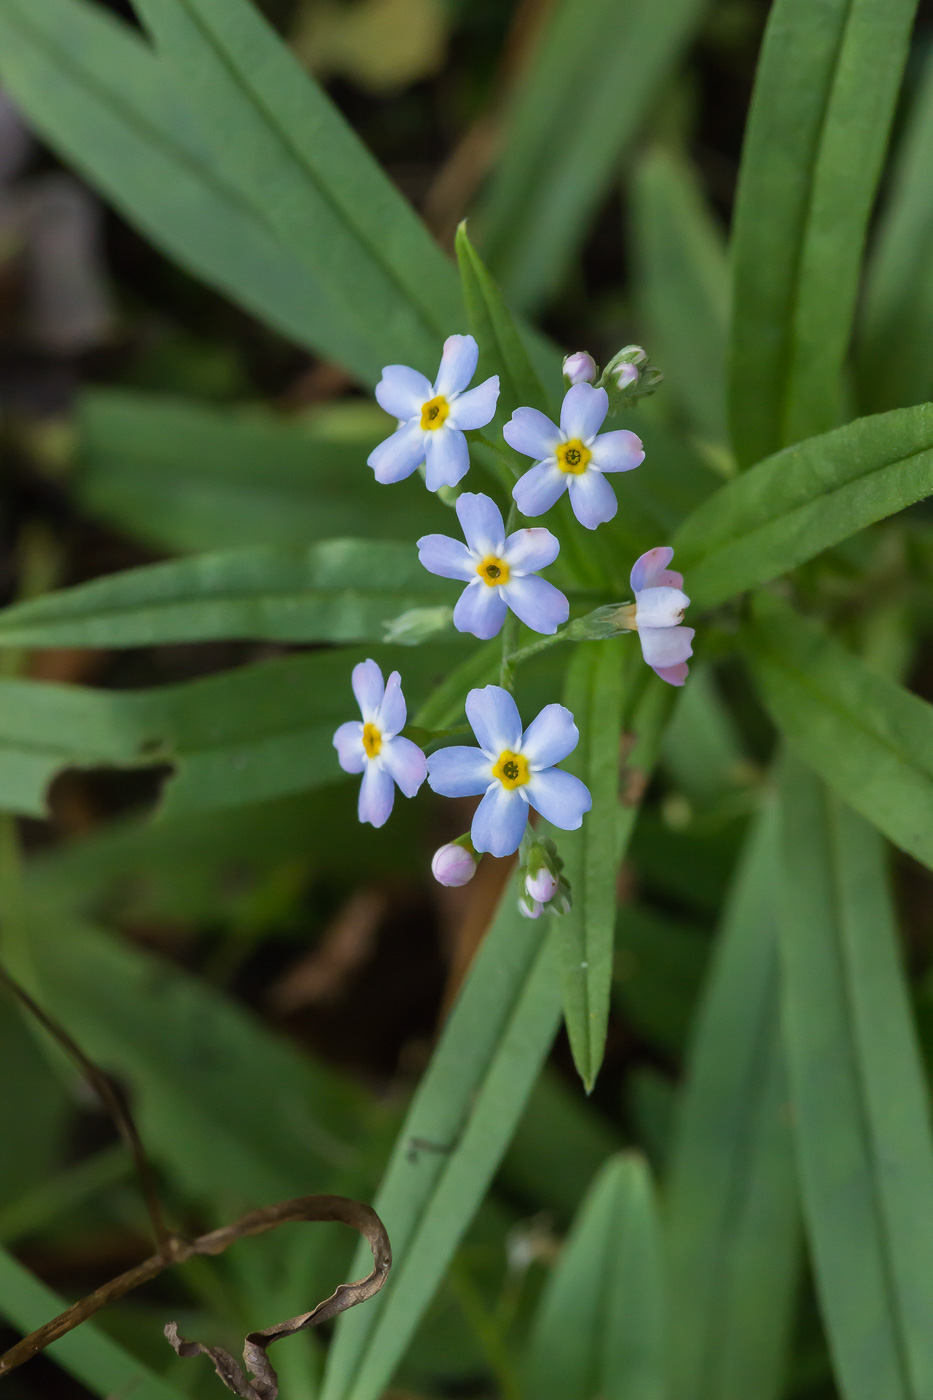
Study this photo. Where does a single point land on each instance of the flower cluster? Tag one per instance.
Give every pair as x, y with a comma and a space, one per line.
514, 771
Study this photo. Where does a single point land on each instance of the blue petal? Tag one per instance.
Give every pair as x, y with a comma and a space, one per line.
348, 741
480, 610
368, 687
620, 451
540, 605
666, 646
405, 763
459, 772
494, 717
532, 434
458, 365
561, 798
481, 522
402, 391
583, 411
399, 455
500, 821
377, 794
447, 457
540, 488
591, 497
526, 551
650, 570
476, 407
449, 558
392, 713
550, 737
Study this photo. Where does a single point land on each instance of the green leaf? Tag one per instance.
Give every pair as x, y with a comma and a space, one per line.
895, 359
454, 1136
657, 973
335, 591
595, 72
186, 477
860, 1102
825, 93
868, 737
501, 350
599, 1326
681, 279
732, 1239
792, 506
87, 1353
229, 157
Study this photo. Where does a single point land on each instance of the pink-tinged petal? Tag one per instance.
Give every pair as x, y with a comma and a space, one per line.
405, 764
526, 551
651, 570
591, 497
538, 604
446, 557
402, 391
453, 866
494, 717
458, 365
447, 457
377, 794
399, 455
660, 607
529, 908
480, 610
542, 886
348, 741
540, 488
500, 821
531, 433
674, 675
550, 737
476, 407
620, 451
666, 646
481, 523
368, 687
392, 713
561, 798
583, 411
459, 772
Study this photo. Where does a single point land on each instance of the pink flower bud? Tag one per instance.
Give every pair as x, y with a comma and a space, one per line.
529, 908
626, 374
453, 866
580, 368
542, 886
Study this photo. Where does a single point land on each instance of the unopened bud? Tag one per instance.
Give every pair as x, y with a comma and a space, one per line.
453, 865
541, 886
529, 908
625, 375
580, 368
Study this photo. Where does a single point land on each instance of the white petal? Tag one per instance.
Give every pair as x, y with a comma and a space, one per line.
476, 407
402, 391
539, 488
458, 365
538, 604
481, 522
405, 763
561, 798
550, 737
399, 455
529, 550
446, 557
619, 451
666, 646
531, 433
377, 794
500, 821
348, 741
447, 457
368, 687
583, 411
494, 717
660, 607
459, 772
480, 610
592, 498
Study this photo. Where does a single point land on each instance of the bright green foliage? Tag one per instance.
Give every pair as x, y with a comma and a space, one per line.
825, 93
599, 1328
860, 1103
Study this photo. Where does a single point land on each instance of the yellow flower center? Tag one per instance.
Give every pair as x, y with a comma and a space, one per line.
434, 412
493, 571
372, 740
511, 769
572, 457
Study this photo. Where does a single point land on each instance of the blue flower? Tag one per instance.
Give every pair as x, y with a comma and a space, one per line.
499, 572
513, 770
573, 456
659, 610
375, 747
432, 418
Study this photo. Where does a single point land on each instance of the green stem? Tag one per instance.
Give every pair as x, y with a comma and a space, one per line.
507, 667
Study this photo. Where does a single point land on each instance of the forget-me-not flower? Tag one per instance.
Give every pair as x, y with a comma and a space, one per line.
375, 746
499, 573
513, 770
572, 457
657, 614
432, 418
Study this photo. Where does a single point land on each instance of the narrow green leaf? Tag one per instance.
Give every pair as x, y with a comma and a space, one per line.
453, 1139
860, 1103
599, 1328
105, 1367
732, 1239
702, 749
868, 737
594, 73
187, 477
895, 360
335, 591
792, 506
825, 93
681, 279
